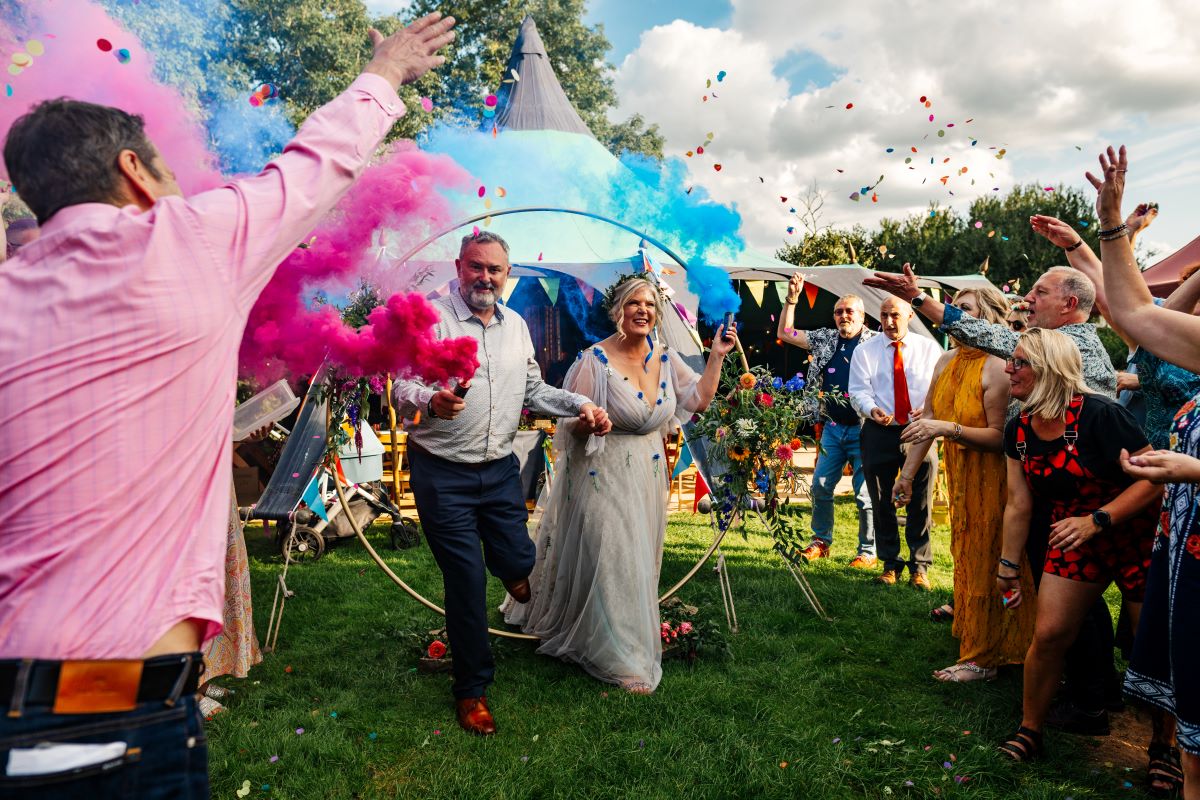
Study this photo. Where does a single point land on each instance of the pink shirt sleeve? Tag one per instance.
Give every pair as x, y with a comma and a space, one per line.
251, 224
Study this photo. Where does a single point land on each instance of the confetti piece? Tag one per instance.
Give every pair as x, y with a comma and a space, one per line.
35, 47
721, 76
514, 74
931, 117
941, 133
288, 668
978, 224
689, 154
372, 735
783, 765
437, 732
699, 151
946, 765
890, 150
908, 160
123, 56
602, 694
535, 737
849, 105
641, 744
245, 790
524, 759
333, 714
854, 196
717, 167
13, 69
708, 83
1048, 188
104, 44
835, 741
426, 104
923, 99
489, 113
501, 191
8, 90
791, 229
491, 100
273, 759
488, 204
299, 731
22, 59
482, 191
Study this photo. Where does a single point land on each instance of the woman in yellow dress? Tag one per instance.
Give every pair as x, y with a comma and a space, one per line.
966, 408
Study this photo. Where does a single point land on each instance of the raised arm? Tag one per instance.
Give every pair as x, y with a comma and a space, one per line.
1170, 335
785, 331
904, 285
1186, 295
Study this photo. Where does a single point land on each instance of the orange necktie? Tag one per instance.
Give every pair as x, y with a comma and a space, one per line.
900, 385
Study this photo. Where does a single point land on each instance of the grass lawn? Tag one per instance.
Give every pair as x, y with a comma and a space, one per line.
803, 708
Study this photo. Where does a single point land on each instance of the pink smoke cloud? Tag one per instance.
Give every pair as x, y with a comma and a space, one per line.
283, 336
72, 65
403, 193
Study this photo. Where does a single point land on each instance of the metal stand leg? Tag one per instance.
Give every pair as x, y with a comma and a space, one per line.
282, 593
801, 581
726, 593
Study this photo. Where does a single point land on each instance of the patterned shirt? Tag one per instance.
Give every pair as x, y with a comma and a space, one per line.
1165, 387
507, 380
1000, 340
823, 344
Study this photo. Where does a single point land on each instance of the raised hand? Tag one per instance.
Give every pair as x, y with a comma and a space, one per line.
410, 52
1054, 230
1141, 217
722, 346
1113, 166
795, 285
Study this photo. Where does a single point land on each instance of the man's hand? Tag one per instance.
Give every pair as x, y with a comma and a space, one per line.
795, 285
446, 404
1054, 230
1161, 466
881, 418
1067, 534
1128, 382
903, 285
901, 492
593, 419
410, 52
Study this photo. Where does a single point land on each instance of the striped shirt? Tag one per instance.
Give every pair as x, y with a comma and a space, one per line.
508, 379
119, 334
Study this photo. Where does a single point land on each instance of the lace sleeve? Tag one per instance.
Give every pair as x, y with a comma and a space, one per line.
588, 377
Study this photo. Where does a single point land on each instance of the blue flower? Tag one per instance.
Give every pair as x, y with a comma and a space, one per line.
598, 353
777, 383
663, 384
640, 395
663, 357
658, 402
657, 456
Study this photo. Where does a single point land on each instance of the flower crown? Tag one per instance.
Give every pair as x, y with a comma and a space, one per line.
611, 292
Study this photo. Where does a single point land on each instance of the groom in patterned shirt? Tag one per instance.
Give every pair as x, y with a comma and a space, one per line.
829, 368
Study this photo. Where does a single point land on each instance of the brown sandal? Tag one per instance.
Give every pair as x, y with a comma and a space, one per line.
1024, 746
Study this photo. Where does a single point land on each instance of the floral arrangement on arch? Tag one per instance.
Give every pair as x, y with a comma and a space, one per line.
754, 426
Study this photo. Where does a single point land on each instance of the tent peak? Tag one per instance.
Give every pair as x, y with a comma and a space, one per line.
529, 41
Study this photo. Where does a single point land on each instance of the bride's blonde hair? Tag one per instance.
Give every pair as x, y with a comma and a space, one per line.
620, 295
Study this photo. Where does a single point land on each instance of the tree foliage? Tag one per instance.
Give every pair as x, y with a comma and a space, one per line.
994, 230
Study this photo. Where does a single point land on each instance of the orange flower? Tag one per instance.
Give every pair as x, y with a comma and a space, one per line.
738, 452
747, 380
795, 444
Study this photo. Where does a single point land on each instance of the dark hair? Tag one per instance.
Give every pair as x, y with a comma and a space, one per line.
64, 152
481, 237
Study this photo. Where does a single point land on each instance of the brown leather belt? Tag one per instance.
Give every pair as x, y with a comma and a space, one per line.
97, 687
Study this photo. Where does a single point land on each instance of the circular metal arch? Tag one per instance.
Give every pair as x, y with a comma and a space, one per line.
420, 598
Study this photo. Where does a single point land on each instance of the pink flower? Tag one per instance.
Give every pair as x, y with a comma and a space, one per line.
783, 452
720, 433
765, 400
685, 627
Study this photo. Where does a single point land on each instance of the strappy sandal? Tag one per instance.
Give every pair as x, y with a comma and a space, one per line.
1023, 746
637, 687
1165, 769
209, 708
954, 674
943, 614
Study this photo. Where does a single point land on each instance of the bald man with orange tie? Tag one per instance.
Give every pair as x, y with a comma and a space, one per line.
889, 378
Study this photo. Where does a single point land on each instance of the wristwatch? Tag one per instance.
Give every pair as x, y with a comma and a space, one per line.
1102, 518
429, 407
917, 301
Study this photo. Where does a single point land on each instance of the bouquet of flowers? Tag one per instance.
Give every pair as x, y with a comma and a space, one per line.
754, 427
683, 634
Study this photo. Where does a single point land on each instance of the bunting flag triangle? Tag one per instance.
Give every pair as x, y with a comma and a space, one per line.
312, 497
682, 462
811, 290
551, 287
589, 291
781, 289
701, 490
756, 289
509, 288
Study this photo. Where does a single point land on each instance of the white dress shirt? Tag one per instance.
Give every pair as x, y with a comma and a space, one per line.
871, 384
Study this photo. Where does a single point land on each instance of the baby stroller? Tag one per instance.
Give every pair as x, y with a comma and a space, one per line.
301, 497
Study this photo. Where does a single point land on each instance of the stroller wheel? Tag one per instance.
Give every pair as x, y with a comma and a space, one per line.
303, 543
405, 534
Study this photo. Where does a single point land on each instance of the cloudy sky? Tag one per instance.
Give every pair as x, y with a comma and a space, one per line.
1048, 81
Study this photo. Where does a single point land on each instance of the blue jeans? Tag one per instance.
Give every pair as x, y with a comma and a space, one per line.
839, 446
166, 755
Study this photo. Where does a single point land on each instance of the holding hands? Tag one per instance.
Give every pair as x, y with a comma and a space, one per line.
593, 420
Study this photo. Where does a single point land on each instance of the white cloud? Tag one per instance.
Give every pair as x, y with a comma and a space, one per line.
1037, 77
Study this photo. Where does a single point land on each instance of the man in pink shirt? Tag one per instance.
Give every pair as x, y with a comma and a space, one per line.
119, 332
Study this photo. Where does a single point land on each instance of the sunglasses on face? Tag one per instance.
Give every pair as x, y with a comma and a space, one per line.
1016, 363
1016, 325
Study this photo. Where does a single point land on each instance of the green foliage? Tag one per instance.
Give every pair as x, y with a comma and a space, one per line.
941, 241
631, 136
1118, 351
363, 301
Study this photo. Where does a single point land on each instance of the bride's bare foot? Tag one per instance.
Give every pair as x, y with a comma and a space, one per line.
637, 687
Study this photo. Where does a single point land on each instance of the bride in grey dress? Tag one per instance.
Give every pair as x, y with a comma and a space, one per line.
599, 545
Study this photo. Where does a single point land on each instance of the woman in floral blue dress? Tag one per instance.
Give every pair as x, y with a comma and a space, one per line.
1166, 658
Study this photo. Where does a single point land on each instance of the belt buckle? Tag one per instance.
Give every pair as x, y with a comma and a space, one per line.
97, 687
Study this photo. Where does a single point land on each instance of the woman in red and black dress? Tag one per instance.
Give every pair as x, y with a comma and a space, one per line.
1087, 521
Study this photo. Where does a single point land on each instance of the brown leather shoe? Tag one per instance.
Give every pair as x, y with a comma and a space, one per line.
888, 577
519, 589
920, 580
474, 716
816, 549
863, 561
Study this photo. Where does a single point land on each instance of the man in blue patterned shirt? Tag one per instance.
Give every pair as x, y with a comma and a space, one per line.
829, 368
